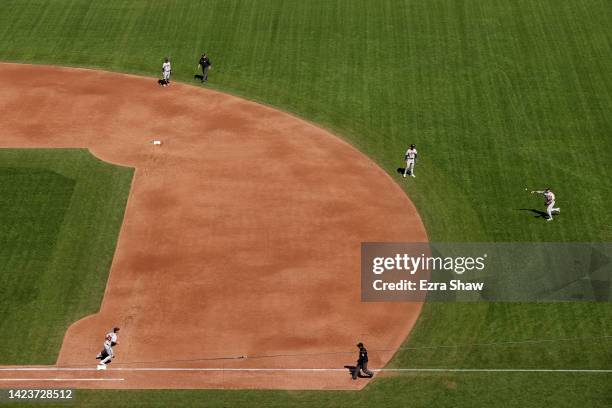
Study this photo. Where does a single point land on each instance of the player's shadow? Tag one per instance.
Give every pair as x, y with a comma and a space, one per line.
401, 170
198, 76
539, 214
161, 82
351, 369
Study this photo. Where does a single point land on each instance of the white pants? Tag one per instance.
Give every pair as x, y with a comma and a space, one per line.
550, 209
166, 75
409, 167
106, 354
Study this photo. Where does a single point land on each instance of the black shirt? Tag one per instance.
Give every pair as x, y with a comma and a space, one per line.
363, 355
205, 62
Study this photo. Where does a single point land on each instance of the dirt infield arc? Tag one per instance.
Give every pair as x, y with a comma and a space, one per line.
241, 236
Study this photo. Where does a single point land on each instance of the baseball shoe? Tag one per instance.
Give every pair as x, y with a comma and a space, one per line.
404, 176
413, 175
101, 367
549, 219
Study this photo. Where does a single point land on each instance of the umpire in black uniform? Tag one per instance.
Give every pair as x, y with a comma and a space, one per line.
362, 363
206, 66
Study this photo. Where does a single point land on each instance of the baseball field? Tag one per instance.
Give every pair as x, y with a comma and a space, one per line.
284, 161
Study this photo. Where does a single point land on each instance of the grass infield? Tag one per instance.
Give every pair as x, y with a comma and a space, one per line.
60, 214
499, 96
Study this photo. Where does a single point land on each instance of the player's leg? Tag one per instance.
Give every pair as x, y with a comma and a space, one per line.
356, 371
555, 209
549, 210
366, 371
407, 167
109, 354
101, 355
412, 169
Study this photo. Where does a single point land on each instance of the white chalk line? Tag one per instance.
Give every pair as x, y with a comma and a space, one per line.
416, 370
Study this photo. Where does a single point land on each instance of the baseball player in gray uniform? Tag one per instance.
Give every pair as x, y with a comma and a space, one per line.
166, 72
107, 354
411, 157
549, 202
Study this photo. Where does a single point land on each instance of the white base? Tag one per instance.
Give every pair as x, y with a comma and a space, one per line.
157, 142
101, 367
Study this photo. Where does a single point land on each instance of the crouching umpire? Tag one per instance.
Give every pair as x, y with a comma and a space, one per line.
362, 363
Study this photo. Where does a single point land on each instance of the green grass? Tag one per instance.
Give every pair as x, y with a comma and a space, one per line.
499, 95
520, 390
60, 214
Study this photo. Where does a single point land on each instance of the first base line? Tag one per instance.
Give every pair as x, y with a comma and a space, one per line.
379, 370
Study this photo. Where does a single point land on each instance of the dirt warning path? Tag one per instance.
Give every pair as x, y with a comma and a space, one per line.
241, 236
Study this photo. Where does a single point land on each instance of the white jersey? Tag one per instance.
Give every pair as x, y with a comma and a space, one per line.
411, 154
166, 67
550, 196
110, 337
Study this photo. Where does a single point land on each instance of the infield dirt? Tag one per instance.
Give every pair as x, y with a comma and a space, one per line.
241, 235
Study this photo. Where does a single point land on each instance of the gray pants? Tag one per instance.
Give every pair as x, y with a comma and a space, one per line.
550, 209
409, 167
362, 367
205, 73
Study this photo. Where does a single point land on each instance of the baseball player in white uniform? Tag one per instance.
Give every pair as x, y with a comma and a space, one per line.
107, 354
411, 156
166, 71
549, 197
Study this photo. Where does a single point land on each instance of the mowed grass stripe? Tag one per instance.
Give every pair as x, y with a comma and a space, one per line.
498, 95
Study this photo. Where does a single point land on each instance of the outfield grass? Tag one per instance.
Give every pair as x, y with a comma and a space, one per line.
520, 390
60, 214
498, 95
